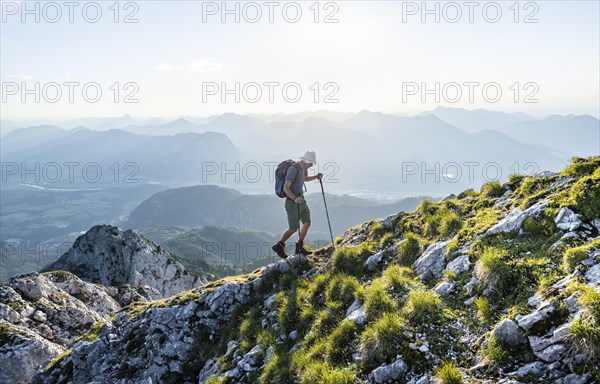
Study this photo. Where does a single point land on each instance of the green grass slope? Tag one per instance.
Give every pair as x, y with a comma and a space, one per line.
299, 319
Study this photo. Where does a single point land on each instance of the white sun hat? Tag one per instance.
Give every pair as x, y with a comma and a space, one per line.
309, 157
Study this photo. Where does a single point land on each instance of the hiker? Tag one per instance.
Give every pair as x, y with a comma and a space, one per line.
295, 205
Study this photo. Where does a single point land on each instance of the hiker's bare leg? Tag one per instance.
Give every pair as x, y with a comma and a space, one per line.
286, 235
303, 231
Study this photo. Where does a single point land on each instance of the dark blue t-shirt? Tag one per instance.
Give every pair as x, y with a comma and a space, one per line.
296, 178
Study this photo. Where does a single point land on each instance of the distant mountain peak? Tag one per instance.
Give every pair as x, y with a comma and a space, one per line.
109, 256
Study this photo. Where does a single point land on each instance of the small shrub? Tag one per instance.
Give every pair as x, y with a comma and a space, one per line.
451, 223
377, 300
530, 186
584, 196
484, 310
387, 240
278, 370
495, 351
249, 329
573, 256
340, 349
351, 260
584, 336
216, 380
539, 226
450, 276
323, 372
423, 305
382, 340
398, 278
325, 321
448, 373
582, 167
289, 313
316, 289
409, 249
590, 300
483, 219
342, 288
514, 180
426, 207
466, 193
451, 248
493, 271
266, 338
492, 189
377, 230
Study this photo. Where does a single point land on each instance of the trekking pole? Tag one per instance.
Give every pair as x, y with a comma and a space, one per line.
327, 212
298, 205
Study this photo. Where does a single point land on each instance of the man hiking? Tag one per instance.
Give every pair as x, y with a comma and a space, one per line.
295, 205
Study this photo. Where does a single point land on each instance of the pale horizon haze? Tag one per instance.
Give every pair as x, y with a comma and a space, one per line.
370, 53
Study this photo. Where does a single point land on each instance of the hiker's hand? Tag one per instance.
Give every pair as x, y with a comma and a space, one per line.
298, 200
319, 176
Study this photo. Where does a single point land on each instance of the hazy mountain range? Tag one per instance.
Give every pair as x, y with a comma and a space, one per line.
366, 154
362, 152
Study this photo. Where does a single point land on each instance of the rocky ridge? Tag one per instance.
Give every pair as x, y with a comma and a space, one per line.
496, 286
109, 256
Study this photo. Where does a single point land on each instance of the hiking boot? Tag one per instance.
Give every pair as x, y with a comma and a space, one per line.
300, 250
279, 250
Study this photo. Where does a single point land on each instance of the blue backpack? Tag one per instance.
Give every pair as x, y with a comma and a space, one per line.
280, 174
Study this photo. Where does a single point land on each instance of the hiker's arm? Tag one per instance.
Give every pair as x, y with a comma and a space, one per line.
311, 178
287, 190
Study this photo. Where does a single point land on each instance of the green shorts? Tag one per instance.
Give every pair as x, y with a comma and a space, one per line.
291, 209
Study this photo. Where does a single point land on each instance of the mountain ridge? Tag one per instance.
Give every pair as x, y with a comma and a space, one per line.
500, 284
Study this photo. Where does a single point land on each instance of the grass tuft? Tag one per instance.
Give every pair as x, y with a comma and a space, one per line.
382, 340
343, 289
484, 310
409, 249
584, 336
448, 373
492, 189
350, 260
573, 256
495, 352
377, 300
423, 306
493, 271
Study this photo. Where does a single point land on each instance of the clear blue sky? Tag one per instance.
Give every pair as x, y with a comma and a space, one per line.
369, 54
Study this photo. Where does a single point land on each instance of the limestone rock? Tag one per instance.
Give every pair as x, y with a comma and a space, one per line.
250, 360
552, 353
445, 287
459, 265
509, 333
513, 221
372, 262
534, 369
388, 372
22, 352
592, 276
540, 315
567, 220
574, 378
109, 256
432, 261
356, 313
211, 368
62, 308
